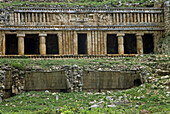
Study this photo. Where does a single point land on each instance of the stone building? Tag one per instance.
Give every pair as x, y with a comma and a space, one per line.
80, 31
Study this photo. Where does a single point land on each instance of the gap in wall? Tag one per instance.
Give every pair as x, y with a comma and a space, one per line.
52, 44
11, 44
31, 42
82, 43
130, 46
148, 44
112, 44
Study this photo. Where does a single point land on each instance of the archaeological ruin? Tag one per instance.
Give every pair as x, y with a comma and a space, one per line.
60, 31
42, 32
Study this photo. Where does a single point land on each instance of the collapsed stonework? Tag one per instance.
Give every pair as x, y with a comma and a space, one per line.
2, 87
68, 79
74, 77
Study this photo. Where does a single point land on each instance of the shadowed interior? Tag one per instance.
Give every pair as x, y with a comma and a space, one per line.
130, 46
112, 44
31, 42
148, 45
52, 44
11, 44
82, 43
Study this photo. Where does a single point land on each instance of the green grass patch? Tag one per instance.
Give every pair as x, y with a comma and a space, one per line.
71, 3
140, 98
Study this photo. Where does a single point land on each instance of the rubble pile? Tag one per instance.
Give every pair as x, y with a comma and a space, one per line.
18, 81
74, 77
2, 77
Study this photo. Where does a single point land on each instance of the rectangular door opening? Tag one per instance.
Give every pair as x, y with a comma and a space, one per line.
112, 44
31, 42
148, 44
82, 43
52, 44
11, 44
130, 46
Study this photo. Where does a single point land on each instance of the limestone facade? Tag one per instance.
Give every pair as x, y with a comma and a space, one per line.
70, 25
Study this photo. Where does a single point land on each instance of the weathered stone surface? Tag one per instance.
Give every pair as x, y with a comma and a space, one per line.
108, 80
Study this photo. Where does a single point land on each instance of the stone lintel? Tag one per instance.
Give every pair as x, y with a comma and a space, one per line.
20, 35
139, 34
43, 34
120, 34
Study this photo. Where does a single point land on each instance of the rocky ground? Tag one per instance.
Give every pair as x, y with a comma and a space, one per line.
150, 97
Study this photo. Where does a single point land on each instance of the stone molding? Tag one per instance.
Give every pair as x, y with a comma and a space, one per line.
139, 34
42, 34
20, 35
120, 34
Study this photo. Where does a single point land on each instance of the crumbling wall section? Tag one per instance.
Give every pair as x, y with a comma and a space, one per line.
74, 77
164, 43
2, 87
69, 78
167, 16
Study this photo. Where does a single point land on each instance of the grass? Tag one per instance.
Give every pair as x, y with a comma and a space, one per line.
140, 98
152, 96
86, 63
71, 3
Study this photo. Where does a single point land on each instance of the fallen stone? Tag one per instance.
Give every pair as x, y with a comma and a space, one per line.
165, 77
112, 106
94, 106
46, 91
57, 97
109, 98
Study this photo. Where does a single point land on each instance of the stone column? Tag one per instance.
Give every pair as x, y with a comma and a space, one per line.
139, 43
20, 44
120, 43
42, 43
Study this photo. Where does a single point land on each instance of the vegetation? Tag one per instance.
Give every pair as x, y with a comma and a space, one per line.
152, 97
134, 100
46, 64
94, 3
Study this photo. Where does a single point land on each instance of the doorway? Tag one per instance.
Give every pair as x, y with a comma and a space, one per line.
82, 43
148, 44
11, 44
130, 46
31, 42
52, 44
112, 44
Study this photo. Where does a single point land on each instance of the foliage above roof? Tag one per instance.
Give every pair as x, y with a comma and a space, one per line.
80, 3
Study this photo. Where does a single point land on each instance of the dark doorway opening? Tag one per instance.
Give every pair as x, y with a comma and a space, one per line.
112, 44
148, 45
82, 43
52, 44
31, 42
130, 46
137, 82
11, 44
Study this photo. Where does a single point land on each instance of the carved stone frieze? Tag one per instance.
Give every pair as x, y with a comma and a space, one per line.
4, 16
80, 19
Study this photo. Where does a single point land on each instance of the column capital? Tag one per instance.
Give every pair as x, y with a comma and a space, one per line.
20, 35
121, 34
139, 34
43, 34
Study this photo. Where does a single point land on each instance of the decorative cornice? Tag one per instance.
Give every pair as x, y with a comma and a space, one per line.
81, 29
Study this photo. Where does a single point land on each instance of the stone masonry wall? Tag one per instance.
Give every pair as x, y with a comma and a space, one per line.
77, 79
2, 77
167, 16
163, 44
